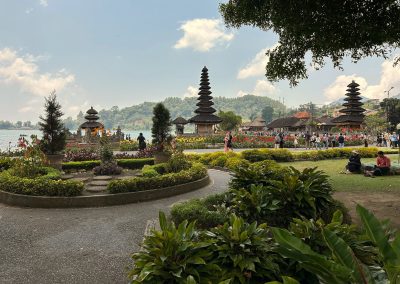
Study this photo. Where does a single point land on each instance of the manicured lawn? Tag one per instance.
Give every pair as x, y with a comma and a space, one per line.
352, 182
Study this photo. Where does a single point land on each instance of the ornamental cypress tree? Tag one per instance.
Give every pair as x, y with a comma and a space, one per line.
52, 127
161, 125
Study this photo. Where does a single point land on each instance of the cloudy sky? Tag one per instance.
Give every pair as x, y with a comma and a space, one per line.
106, 53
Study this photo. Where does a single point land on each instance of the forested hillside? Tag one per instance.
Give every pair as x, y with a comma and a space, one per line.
139, 116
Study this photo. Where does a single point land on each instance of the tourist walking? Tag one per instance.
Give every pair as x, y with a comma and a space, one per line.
142, 142
393, 140
341, 140
277, 141
228, 142
282, 140
295, 141
307, 138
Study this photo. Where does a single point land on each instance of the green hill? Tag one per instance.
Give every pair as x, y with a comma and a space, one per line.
139, 116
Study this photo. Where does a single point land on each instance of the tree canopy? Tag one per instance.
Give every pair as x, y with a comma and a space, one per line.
230, 120
322, 28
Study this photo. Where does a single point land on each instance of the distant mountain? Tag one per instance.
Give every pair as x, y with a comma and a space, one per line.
139, 116
341, 101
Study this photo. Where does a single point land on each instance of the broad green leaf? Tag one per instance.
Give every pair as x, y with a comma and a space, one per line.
190, 280
344, 254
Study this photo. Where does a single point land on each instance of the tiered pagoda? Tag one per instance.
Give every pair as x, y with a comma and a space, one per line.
205, 119
91, 126
353, 113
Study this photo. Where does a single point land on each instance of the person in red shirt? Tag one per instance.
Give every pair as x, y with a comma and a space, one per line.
382, 165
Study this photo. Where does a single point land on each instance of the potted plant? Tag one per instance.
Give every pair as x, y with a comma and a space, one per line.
53, 141
160, 133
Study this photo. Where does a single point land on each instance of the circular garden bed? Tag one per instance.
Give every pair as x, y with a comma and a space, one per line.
139, 181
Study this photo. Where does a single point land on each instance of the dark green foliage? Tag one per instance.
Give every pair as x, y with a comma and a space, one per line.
243, 252
52, 127
267, 113
174, 255
322, 29
177, 163
40, 186
161, 125
196, 172
279, 155
197, 210
6, 163
108, 165
124, 163
230, 120
149, 171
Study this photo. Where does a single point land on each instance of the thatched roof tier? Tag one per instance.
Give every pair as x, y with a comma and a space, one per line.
179, 120
283, 122
205, 113
91, 125
258, 122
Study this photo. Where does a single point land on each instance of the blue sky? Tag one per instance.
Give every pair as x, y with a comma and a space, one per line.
106, 53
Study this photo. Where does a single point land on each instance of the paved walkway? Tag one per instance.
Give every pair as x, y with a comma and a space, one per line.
91, 245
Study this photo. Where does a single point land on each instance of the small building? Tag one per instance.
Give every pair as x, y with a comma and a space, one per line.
92, 127
352, 113
258, 124
180, 123
205, 120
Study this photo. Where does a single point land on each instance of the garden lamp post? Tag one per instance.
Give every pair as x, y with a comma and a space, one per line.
398, 128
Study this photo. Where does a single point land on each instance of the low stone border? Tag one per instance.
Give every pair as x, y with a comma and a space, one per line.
100, 200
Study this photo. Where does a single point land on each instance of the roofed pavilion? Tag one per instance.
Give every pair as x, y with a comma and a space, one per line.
91, 126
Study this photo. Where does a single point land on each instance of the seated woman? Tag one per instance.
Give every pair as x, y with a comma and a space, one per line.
382, 166
354, 164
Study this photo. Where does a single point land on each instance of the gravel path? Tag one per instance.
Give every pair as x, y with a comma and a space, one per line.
90, 245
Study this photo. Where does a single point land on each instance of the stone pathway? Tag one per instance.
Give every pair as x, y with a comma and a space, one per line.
82, 245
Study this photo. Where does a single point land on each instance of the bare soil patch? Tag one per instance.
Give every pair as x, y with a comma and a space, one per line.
385, 205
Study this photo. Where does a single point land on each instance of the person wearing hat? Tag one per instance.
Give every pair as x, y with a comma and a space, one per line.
354, 164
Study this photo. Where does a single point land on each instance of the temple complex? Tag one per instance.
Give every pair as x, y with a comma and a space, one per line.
353, 113
92, 127
205, 119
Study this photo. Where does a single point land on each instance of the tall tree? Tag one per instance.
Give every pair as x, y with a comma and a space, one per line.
267, 113
52, 127
391, 109
161, 125
324, 29
230, 120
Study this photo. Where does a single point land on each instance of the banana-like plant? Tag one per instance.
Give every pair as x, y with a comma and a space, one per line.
343, 266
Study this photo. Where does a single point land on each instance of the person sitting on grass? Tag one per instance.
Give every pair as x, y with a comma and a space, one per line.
354, 164
382, 166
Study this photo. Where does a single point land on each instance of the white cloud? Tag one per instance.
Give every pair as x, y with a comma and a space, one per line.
203, 34
28, 11
262, 88
390, 77
191, 91
24, 72
257, 65
43, 3
25, 109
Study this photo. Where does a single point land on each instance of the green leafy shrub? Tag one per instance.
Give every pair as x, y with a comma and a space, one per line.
195, 210
124, 163
235, 162
6, 163
243, 252
256, 155
196, 172
256, 173
219, 162
174, 255
40, 186
149, 171
177, 163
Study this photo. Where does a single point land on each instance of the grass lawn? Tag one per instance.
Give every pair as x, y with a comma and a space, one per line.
352, 182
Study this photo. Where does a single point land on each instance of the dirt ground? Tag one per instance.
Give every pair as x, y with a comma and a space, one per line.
384, 205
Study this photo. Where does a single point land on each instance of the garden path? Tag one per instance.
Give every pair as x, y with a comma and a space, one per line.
86, 245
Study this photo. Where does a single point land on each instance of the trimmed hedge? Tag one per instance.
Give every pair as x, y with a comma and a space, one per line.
124, 163
41, 186
196, 172
5, 164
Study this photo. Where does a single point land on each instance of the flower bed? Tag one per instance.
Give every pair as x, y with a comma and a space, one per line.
125, 163
195, 172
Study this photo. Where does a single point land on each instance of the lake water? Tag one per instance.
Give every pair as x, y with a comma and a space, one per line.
9, 138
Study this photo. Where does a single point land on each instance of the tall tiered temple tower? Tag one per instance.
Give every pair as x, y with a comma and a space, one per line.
353, 113
205, 120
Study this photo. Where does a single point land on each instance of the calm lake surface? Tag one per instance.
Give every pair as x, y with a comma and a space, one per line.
9, 138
